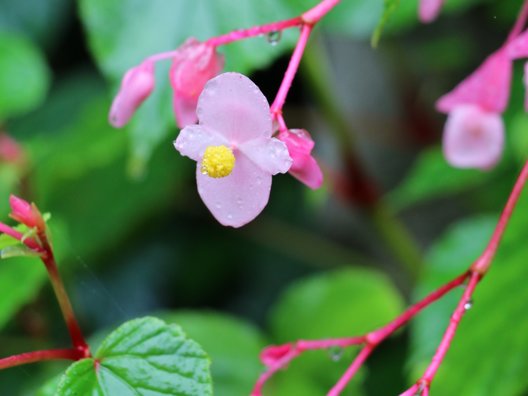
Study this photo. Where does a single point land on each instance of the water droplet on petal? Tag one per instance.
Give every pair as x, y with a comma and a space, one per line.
468, 305
274, 37
218, 205
229, 216
258, 180
336, 353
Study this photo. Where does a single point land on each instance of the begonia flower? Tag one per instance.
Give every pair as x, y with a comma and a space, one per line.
429, 10
136, 86
234, 149
474, 131
473, 138
195, 64
304, 166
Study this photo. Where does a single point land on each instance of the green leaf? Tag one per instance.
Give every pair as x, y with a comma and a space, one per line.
432, 177
389, 6
342, 303
233, 345
17, 251
24, 76
143, 357
491, 343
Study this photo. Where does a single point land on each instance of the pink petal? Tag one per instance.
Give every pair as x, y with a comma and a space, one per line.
270, 154
195, 64
194, 139
310, 174
304, 168
236, 199
184, 110
518, 47
233, 105
136, 86
429, 10
488, 87
473, 138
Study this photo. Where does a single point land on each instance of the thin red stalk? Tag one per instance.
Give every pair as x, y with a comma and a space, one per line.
519, 23
242, 34
313, 15
483, 263
39, 356
272, 369
29, 242
352, 370
293, 66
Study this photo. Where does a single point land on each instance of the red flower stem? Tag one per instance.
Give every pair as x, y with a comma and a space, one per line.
352, 370
242, 34
39, 356
313, 15
519, 23
293, 66
29, 242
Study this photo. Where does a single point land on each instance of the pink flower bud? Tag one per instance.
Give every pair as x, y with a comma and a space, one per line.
429, 10
25, 213
195, 64
136, 86
272, 354
473, 138
304, 167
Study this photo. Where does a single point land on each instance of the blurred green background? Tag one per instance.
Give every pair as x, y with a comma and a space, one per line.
392, 222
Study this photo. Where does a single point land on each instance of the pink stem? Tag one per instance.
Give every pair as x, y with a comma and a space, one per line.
278, 103
411, 391
38, 356
483, 263
451, 329
352, 370
30, 243
313, 15
519, 23
242, 34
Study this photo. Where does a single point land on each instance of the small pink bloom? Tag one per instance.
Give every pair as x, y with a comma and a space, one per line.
488, 87
10, 150
136, 86
273, 354
195, 64
235, 128
473, 138
429, 10
304, 167
25, 213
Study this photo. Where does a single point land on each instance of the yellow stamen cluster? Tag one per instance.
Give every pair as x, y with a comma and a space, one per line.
218, 161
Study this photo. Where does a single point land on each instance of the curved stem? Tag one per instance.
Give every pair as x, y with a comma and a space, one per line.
352, 370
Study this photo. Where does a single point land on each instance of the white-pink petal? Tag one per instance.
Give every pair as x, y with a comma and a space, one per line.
237, 199
194, 139
429, 10
488, 87
270, 154
234, 106
473, 138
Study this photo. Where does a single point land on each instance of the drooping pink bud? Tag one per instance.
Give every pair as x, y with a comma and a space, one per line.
25, 213
304, 167
488, 87
195, 64
136, 86
272, 354
473, 138
429, 10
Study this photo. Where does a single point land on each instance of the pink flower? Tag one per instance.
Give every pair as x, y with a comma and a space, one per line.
195, 64
136, 86
429, 10
304, 167
10, 150
473, 138
232, 145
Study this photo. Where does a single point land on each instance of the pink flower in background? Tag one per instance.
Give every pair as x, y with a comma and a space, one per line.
136, 86
429, 10
304, 167
194, 65
473, 138
474, 131
232, 145
10, 150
